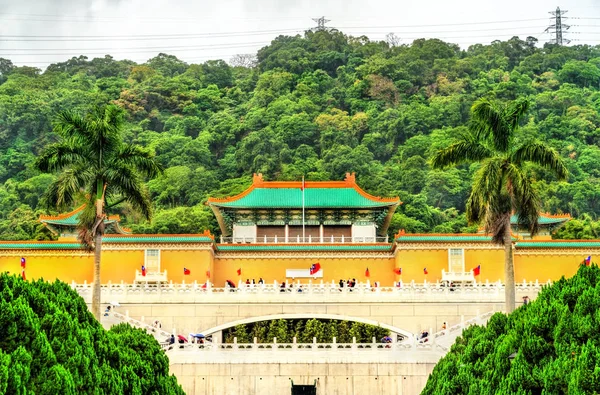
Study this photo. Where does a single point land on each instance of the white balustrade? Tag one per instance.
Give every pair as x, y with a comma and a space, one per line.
438, 343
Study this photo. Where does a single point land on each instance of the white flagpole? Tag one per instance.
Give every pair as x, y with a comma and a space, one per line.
303, 231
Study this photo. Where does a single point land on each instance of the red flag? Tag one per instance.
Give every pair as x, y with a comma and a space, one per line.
477, 270
367, 273
398, 271
239, 271
23, 262
143, 270
23, 274
186, 271
425, 270
208, 274
314, 268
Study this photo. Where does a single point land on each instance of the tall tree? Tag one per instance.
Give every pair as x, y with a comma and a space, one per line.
501, 185
93, 161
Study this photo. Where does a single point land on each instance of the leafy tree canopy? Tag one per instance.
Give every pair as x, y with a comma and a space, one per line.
555, 342
51, 344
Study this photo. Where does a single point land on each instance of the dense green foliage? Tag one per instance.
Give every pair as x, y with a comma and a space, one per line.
555, 338
51, 344
304, 331
321, 105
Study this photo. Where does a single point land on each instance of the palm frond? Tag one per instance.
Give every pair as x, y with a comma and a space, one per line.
488, 123
542, 155
139, 158
105, 126
87, 219
515, 111
467, 150
124, 180
57, 156
526, 201
486, 184
71, 126
68, 186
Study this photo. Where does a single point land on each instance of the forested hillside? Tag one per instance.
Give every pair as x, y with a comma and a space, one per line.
320, 106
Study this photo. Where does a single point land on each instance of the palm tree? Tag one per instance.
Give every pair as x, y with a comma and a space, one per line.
93, 162
501, 185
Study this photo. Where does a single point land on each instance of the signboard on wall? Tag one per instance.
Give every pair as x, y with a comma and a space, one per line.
302, 273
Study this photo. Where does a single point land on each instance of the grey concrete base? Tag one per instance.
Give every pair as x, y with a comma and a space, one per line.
380, 378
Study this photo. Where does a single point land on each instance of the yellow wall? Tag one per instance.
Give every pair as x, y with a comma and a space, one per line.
51, 267
546, 267
117, 265
491, 261
121, 265
413, 262
197, 261
270, 269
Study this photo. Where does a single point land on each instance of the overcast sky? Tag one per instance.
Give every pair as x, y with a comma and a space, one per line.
44, 31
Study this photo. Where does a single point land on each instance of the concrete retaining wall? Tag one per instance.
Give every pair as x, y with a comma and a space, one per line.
275, 378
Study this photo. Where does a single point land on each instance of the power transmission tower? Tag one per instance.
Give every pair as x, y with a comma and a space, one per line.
558, 27
320, 23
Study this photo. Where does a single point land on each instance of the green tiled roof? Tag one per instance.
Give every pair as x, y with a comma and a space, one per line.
541, 220
313, 198
447, 238
308, 247
39, 246
72, 220
158, 239
559, 244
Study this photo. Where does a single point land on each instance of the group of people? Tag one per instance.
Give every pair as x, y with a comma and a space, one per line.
348, 283
248, 283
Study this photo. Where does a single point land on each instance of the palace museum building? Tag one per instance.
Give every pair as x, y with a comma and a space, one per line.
276, 230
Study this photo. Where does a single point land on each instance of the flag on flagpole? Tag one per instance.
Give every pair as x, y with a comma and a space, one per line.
208, 274
588, 261
367, 273
23, 274
314, 268
398, 271
425, 271
186, 271
23, 262
477, 270
239, 271
143, 270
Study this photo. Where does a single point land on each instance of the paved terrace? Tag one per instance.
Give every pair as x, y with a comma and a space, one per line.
189, 308
304, 293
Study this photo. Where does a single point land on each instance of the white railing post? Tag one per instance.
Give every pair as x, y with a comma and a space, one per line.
235, 344
274, 344
254, 346
275, 239
294, 344
354, 342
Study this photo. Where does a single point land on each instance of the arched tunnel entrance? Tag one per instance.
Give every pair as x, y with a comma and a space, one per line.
217, 331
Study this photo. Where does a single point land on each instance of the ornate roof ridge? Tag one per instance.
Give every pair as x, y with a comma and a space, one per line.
548, 215
206, 233
348, 182
63, 215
